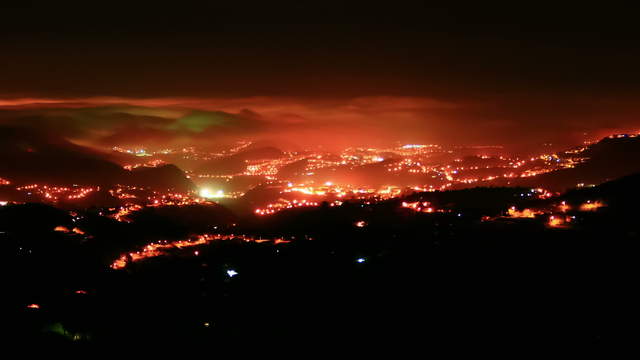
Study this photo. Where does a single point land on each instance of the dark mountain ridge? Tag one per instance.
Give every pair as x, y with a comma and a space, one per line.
609, 159
28, 156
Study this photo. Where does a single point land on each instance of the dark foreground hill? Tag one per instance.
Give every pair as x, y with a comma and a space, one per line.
406, 281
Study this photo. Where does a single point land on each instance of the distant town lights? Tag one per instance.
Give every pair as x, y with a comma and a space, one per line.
207, 193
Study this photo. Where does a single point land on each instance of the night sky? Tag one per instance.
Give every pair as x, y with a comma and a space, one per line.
332, 74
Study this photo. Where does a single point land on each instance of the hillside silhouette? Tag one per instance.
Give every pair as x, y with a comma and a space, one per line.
28, 156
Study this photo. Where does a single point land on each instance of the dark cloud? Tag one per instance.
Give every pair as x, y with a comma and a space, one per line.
349, 49
326, 73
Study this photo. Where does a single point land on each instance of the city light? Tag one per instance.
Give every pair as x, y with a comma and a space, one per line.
209, 194
160, 248
591, 205
232, 273
526, 213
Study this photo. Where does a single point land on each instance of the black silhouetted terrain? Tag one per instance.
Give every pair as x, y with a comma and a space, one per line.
404, 281
161, 177
28, 156
608, 159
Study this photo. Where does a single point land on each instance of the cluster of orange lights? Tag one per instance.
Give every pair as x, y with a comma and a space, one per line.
543, 194
284, 204
65, 229
152, 163
154, 198
173, 199
123, 211
121, 194
160, 248
591, 205
559, 221
557, 217
535, 172
345, 191
322, 161
80, 194
268, 168
419, 206
55, 193
4, 182
455, 174
526, 213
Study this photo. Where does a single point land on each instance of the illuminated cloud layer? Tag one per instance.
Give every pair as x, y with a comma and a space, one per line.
334, 123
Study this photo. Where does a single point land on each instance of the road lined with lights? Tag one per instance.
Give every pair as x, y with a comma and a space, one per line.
164, 247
